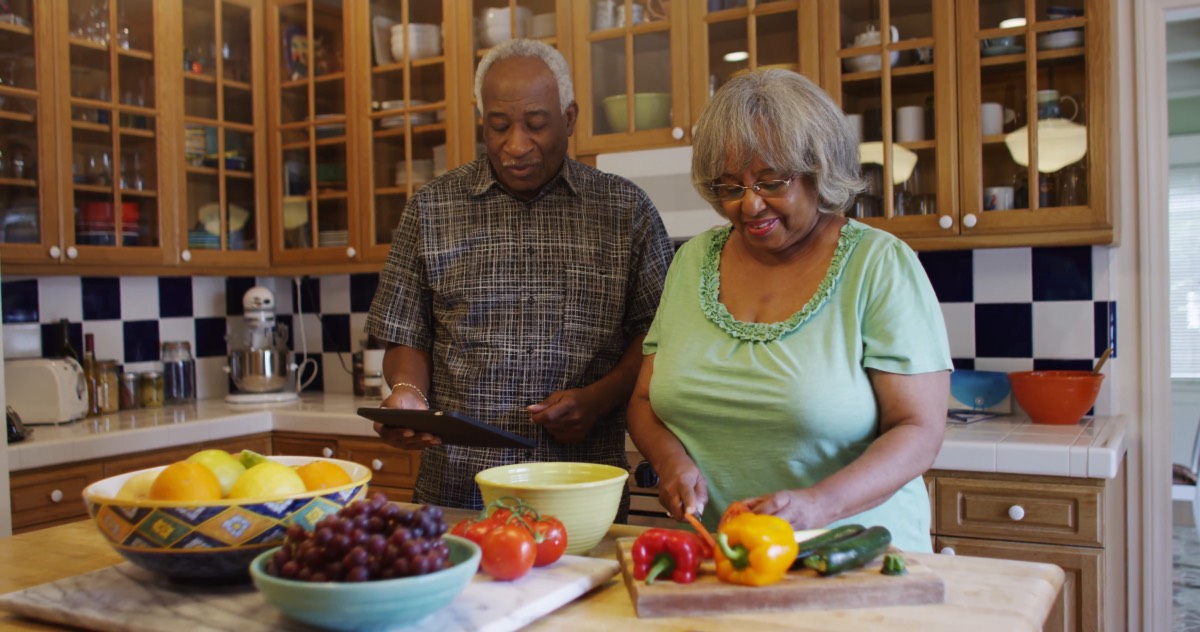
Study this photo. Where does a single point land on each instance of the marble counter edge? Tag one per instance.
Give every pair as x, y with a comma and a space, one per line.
1093, 449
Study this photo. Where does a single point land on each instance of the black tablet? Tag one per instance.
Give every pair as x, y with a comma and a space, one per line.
453, 428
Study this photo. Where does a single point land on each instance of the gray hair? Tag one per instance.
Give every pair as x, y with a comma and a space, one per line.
788, 122
528, 48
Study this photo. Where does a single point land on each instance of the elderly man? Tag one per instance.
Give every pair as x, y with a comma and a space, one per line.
519, 287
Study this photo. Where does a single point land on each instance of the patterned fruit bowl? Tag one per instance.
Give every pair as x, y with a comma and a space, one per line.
214, 539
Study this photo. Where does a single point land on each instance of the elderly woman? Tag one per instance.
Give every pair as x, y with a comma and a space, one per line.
798, 361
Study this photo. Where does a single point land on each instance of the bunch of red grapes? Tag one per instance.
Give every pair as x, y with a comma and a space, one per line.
365, 540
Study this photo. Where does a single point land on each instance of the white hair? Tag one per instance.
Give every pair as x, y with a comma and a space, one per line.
528, 48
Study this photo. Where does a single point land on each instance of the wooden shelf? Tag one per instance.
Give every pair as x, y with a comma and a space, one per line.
909, 71
293, 83
83, 43
145, 193
84, 102
18, 182
329, 76
239, 174
1059, 53
91, 127
15, 29
16, 116
333, 140
18, 92
392, 190
93, 188
919, 145
333, 195
135, 54
133, 131
191, 76
202, 171
236, 85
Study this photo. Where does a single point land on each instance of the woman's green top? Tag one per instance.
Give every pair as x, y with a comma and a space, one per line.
763, 407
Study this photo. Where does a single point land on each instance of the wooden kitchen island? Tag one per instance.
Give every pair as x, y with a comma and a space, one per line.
981, 594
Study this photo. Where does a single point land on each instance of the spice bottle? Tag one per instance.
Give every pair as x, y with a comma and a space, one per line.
179, 372
108, 386
151, 389
130, 397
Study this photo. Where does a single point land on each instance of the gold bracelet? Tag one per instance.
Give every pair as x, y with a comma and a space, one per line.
413, 387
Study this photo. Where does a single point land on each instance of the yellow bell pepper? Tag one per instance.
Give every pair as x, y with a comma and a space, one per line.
754, 549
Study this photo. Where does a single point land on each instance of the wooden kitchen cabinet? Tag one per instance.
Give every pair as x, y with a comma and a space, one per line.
49, 496
223, 213
393, 471
630, 75
1076, 523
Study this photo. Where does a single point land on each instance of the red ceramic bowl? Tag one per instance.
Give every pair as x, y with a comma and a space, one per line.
1055, 397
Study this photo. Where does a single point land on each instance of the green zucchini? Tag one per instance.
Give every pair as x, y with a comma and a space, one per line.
893, 564
836, 534
850, 553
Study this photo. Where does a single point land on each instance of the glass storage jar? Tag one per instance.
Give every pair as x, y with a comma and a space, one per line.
151, 389
108, 386
130, 398
179, 372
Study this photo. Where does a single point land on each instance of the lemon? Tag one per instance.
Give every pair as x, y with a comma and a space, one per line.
137, 487
223, 464
250, 458
268, 479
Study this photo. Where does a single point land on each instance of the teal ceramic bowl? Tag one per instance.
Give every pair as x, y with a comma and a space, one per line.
373, 604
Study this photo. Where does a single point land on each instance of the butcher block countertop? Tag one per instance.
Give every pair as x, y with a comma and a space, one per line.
1092, 448
981, 594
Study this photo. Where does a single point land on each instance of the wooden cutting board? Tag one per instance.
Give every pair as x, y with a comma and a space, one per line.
798, 590
125, 598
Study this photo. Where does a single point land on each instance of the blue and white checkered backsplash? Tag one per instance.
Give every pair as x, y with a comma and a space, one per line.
1006, 310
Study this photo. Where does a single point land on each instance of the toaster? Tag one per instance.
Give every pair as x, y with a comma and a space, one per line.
45, 390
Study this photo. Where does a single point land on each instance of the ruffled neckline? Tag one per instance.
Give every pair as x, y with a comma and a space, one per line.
715, 311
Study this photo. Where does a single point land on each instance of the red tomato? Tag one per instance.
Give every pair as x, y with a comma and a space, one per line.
508, 552
554, 540
473, 530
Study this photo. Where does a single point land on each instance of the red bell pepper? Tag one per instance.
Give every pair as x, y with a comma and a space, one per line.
659, 551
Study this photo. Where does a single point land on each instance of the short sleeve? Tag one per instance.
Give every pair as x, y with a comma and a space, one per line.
401, 312
902, 328
651, 256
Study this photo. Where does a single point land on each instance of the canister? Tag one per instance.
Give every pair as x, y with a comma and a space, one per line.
108, 385
151, 389
130, 398
179, 372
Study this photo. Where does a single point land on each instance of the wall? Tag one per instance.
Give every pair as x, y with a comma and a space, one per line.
131, 316
1006, 310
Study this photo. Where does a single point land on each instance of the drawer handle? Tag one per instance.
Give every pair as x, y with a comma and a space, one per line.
948, 550
56, 496
1016, 512
376, 465
327, 452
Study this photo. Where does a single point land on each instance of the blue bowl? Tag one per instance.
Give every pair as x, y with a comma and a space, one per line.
372, 604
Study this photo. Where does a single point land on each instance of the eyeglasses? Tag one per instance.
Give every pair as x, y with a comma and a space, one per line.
762, 188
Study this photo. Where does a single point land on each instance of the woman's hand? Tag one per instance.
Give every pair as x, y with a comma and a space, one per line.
682, 488
801, 507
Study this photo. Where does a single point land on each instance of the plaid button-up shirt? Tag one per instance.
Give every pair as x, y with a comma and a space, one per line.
515, 300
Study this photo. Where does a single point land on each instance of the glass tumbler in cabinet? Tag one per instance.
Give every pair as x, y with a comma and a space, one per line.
220, 135
28, 226
631, 87
892, 69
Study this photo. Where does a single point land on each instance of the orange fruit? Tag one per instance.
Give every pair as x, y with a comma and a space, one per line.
186, 480
322, 475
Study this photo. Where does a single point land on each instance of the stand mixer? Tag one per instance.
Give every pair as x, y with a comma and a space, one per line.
261, 366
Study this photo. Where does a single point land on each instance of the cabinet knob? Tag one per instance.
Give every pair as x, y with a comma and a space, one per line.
55, 252
946, 222
376, 465
186, 255
327, 452
969, 220
948, 550
1016, 512
350, 252
56, 496
72, 252
677, 133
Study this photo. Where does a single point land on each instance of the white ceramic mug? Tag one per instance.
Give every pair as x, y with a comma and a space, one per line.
910, 123
997, 198
991, 118
856, 124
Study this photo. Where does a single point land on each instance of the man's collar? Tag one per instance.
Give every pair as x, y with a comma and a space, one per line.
485, 178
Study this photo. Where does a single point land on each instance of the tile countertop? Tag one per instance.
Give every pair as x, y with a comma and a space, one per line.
1092, 448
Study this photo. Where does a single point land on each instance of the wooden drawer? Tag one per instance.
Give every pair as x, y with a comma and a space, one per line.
390, 467
1052, 511
260, 443
52, 496
394, 494
304, 445
142, 460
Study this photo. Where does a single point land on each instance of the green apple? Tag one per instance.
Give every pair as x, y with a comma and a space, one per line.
269, 479
227, 468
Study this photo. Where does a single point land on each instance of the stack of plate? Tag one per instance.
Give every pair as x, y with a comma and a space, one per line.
424, 40
333, 237
418, 118
1069, 38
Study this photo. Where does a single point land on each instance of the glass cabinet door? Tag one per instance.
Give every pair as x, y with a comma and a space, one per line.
631, 67
891, 66
223, 215
113, 122
28, 226
1029, 82
736, 36
309, 96
408, 110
